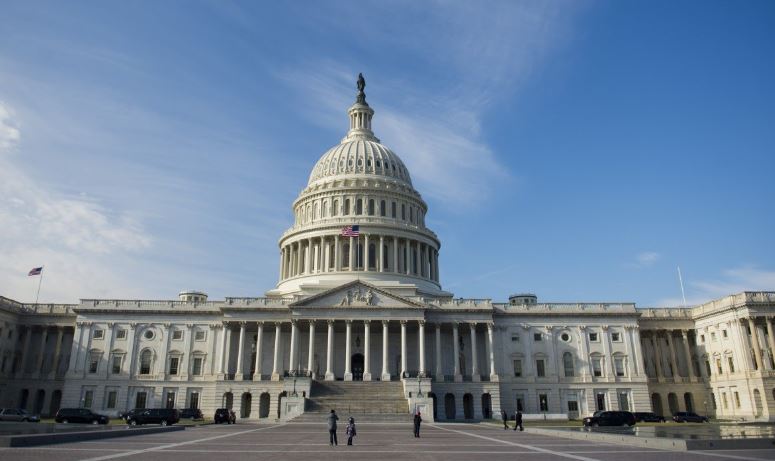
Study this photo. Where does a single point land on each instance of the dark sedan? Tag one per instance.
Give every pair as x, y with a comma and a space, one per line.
610, 418
689, 417
648, 417
79, 415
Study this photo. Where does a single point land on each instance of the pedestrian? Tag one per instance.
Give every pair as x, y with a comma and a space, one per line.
518, 421
332, 419
350, 430
417, 421
505, 419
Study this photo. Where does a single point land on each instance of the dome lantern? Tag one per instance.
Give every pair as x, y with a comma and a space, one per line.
360, 116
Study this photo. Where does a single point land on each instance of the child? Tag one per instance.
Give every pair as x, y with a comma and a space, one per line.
350, 430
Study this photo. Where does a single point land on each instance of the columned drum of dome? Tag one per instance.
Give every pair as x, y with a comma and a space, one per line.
359, 182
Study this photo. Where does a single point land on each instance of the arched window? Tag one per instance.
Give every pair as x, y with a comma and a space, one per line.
372, 256
371, 207
393, 210
382, 210
359, 206
567, 362
335, 210
145, 362
346, 210
411, 214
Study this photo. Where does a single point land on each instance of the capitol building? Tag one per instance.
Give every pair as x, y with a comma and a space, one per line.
359, 321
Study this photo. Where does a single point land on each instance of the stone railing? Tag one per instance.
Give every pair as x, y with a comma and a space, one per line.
666, 313
255, 302
462, 303
39, 308
567, 307
740, 299
146, 303
362, 220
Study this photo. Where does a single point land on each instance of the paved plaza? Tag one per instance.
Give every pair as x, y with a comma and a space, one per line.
296, 441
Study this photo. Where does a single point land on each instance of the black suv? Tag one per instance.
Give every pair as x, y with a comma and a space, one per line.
79, 415
191, 413
163, 416
224, 415
648, 417
689, 417
610, 418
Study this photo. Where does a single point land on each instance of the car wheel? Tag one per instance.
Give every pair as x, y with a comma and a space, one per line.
95, 422
595, 425
65, 421
133, 423
164, 423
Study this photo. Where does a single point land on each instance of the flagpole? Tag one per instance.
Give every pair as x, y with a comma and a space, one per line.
681, 281
39, 282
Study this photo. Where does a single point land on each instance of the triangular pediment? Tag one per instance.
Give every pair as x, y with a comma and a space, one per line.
357, 294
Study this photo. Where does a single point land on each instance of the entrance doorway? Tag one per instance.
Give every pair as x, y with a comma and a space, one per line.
357, 367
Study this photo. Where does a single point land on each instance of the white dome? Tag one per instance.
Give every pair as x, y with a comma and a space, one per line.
360, 156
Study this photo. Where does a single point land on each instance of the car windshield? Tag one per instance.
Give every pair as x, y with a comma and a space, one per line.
23, 412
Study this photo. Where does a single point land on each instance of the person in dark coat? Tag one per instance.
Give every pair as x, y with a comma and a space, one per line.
505, 419
417, 421
350, 430
518, 421
332, 419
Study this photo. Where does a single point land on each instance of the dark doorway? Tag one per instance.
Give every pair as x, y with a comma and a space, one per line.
449, 406
228, 400
280, 398
25, 395
486, 406
245, 404
656, 403
357, 367
433, 397
56, 399
468, 406
39, 398
263, 405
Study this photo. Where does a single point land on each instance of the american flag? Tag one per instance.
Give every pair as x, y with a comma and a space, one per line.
35, 271
351, 231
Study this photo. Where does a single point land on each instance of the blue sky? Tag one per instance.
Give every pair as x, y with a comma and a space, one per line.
580, 150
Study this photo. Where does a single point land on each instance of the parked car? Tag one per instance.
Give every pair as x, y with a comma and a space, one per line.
648, 417
17, 414
224, 415
191, 413
610, 418
163, 416
689, 417
126, 414
79, 415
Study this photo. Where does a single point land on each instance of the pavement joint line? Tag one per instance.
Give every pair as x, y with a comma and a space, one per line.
178, 444
531, 447
721, 455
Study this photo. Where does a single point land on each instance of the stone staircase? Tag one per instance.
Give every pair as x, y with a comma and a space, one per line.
366, 401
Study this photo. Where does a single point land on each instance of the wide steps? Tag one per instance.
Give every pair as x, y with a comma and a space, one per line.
377, 401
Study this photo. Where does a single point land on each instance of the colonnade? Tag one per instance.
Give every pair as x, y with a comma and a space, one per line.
652, 342
334, 253
368, 374
15, 352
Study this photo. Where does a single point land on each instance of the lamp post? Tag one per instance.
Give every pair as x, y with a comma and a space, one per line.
294, 387
419, 385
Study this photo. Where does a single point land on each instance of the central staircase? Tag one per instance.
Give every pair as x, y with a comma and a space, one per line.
366, 401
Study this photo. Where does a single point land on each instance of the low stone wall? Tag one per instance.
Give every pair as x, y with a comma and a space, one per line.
32, 440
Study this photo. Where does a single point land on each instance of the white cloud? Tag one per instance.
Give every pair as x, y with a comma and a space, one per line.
734, 280
647, 258
75, 238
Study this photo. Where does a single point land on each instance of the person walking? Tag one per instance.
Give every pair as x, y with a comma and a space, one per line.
505, 419
350, 430
518, 421
332, 419
417, 421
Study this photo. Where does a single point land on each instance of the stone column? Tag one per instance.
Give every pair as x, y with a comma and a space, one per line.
475, 376
657, 354
326, 255
259, 342
294, 335
299, 259
673, 360
26, 349
421, 342
57, 353
637, 351
352, 265
365, 252
311, 351
426, 262
608, 370
407, 261
41, 354
337, 255
240, 374
458, 377
395, 254
493, 374
687, 352
757, 349
583, 340
330, 352
770, 338
403, 348
276, 362
162, 362
130, 351
381, 262
439, 368
366, 351
348, 375
385, 365
224, 345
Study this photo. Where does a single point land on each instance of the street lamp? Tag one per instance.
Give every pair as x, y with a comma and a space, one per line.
419, 385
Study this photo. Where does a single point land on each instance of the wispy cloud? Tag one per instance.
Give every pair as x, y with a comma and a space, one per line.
9, 132
730, 281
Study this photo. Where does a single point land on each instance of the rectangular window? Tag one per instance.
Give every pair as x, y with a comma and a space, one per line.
713, 400
515, 338
170, 400
94, 362
393, 210
731, 364
616, 337
724, 400
403, 212
174, 362
737, 400
537, 337
718, 366
702, 338
98, 334
177, 334
707, 367
194, 400
724, 333
600, 401
597, 368
382, 210
199, 335
712, 335
196, 369
543, 402
140, 399
540, 371
116, 366
520, 402
121, 334
518, 368
624, 401
593, 337
111, 400
88, 399
619, 365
